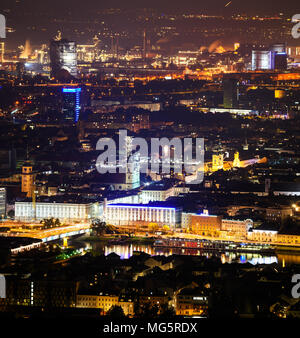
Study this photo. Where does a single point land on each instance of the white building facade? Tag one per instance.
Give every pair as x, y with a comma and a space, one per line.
143, 215
25, 211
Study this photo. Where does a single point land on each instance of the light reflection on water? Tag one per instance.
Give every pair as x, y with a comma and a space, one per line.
126, 251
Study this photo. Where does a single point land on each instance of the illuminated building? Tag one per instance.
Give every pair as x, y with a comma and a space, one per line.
63, 56
133, 173
142, 215
140, 121
217, 162
293, 52
263, 60
241, 112
2, 203
206, 225
103, 106
105, 303
271, 236
191, 302
237, 45
27, 179
279, 94
236, 161
278, 214
88, 53
237, 228
263, 235
41, 293
186, 219
62, 211
231, 93
132, 176
128, 175
71, 104
2, 51
278, 48
157, 193
154, 300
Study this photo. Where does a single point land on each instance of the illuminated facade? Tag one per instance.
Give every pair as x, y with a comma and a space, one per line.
133, 172
263, 236
62, 211
278, 214
236, 161
63, 56
27, 179
142, 215
217, 162
71, 104
2, 51
2, 203
237, 228
263, 59
156, 194
191, 302
273, 237
105, 303
41, 293
206, 225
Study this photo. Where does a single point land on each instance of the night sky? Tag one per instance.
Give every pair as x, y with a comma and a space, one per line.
22, 15
252, 6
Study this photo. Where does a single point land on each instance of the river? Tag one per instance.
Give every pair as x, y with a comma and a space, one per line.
127, 250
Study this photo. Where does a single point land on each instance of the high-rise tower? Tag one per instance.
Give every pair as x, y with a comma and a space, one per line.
71, 104
27, 179
63, 57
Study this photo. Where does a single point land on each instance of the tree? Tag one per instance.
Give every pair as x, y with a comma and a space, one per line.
99, 228
153, 227
166, 228
167, 311
116, 312
148, 311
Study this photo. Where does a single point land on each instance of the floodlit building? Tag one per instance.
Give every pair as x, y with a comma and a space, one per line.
186, 219
206, 225
27, 179
263, 235
237, 228
2, 203
62, 211
263, 59
63, 56
105, 302
142, 215
157, 192
2, 51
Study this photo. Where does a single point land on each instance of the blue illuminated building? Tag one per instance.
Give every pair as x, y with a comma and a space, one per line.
71, 104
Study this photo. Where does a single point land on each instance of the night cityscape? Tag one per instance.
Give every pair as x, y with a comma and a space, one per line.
149, 161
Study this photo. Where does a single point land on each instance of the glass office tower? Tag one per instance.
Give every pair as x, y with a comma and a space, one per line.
71, 104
